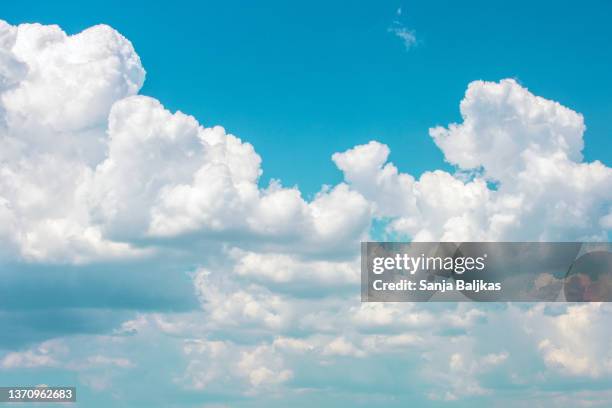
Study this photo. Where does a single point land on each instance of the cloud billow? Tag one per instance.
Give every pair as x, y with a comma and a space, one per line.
528, 147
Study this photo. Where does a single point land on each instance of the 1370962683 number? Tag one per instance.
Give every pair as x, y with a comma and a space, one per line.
34, 394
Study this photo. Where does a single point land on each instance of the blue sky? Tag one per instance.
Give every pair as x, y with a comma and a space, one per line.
145, 260
302, 81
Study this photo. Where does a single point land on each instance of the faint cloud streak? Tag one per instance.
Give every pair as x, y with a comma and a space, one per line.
407, 36
398, 29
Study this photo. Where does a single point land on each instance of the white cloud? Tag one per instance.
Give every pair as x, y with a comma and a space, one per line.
380, 343
229, 304
503, 122
110, 361
366, 170
292, 344
208, 362
165, 176
283, 268
530, 146
462, 370
340, 346
125, 169
407, 36
389, 314
46, 354
574, 343
26, 359
55, 94
88, 71
214, 363
262, 366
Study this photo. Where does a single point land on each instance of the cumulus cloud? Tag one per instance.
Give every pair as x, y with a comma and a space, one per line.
55, 95
461, 375
573, 342
528, 179
229, 304
213, 362
366, 170
503, 124
285, 268
125, 168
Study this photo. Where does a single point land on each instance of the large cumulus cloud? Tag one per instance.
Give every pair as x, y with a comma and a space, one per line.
88, 168
55, 94
520, 174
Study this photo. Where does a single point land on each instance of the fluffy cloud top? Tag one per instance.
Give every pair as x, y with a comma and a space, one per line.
88, 168
504, 124
55, 94
528, 147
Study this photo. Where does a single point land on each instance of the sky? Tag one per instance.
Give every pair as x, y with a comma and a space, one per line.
305, 81
184, 188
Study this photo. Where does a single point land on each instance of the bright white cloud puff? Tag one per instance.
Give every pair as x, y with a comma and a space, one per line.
528, 147
88, 167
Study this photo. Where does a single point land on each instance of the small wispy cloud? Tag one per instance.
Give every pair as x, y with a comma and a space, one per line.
407, 35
